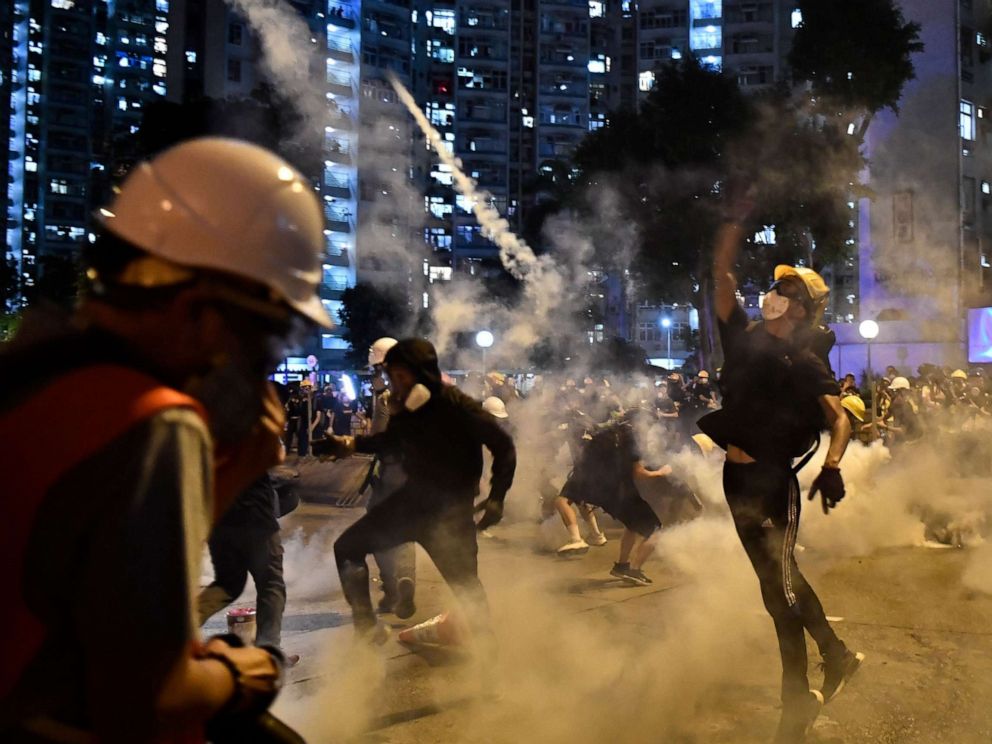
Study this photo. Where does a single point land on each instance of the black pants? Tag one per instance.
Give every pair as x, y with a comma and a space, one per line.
237, 552
765, 503
446, 531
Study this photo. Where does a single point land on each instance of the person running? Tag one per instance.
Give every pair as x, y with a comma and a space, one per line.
777, 396
246, 541
438, 433
205, 269
397, 565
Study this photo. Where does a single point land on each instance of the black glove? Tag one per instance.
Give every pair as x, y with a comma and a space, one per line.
492, 513
830, 486
252, 696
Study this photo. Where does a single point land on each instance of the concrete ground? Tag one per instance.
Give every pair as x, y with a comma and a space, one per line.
584, 658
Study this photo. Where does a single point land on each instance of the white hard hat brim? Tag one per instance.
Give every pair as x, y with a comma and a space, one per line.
231, 207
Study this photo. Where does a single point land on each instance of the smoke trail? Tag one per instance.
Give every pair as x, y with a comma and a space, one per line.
287, 52
515, 255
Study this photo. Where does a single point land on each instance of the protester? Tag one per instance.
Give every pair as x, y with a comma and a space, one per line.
397, 565
778, 394
206, 266
246, 541
439, 433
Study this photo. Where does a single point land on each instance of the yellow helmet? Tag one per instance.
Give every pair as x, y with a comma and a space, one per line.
854, 405
959, 374
817, 289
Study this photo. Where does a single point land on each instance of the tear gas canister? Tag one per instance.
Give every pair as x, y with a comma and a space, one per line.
241, 622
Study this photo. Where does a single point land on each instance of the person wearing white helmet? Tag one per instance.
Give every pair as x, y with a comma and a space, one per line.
901, 422
778, 394
398, 565
206, 265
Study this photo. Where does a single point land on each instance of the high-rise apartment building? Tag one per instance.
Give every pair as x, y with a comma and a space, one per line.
926, 232
77, 74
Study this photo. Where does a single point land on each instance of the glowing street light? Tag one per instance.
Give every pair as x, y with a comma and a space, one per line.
869, 331
666, 323
484, 339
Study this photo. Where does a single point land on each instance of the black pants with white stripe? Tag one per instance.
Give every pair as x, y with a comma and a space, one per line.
764, 500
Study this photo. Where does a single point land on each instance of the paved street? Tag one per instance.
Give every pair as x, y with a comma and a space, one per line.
584, 658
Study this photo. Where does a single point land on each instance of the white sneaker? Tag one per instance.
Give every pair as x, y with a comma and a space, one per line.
598, 540
578, 547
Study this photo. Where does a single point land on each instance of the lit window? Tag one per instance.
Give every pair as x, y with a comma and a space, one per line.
986, 188
597, 65
63, 4
597, 9
191, 57
162, 6
160, 46
967, 120
797, 18
158, 68
645, 81
427, 300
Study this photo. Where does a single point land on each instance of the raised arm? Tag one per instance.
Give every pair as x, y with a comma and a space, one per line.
728, 242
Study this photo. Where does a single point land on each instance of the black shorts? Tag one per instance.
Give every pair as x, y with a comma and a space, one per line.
637, 516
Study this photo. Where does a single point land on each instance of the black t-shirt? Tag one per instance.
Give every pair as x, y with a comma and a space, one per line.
343, 411
771, 389
256, 508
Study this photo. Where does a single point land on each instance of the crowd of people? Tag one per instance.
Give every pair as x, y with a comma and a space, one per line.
205, 271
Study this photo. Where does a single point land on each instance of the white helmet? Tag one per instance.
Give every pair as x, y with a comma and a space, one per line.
377, 351
495, 407
899, 383
228, 206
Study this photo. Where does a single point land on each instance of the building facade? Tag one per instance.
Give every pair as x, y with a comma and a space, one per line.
925, 233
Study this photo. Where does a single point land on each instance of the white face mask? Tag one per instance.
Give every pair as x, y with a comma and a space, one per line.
417, 397
774, 306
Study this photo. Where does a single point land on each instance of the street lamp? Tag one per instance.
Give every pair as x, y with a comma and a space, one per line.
869, 331
667, 324
484, 339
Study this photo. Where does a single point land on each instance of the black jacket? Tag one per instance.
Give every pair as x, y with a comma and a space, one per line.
440, 446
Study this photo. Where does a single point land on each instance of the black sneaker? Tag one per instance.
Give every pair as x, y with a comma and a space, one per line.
797, 718
837, 672
630, 575
620, 570
404, 607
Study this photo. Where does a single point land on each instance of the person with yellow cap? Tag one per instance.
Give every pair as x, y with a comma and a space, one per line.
205, 269
778, 394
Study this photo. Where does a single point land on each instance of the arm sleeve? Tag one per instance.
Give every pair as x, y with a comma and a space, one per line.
731, 329
487, 429
149, 512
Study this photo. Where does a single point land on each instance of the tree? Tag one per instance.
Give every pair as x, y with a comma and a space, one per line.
369, 313
58, 280
698, 139
855, 54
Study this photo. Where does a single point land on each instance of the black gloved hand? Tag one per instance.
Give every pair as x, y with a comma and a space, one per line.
830, 485
492, 513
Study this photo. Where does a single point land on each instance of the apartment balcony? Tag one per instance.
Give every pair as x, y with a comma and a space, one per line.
337, 258
342, 54
340, 16
341, 88
338, 220
564, 59
555, 91
332, 290
338, 186
339, 156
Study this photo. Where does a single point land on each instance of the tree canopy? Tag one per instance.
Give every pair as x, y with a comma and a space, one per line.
369, 313
856, 54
